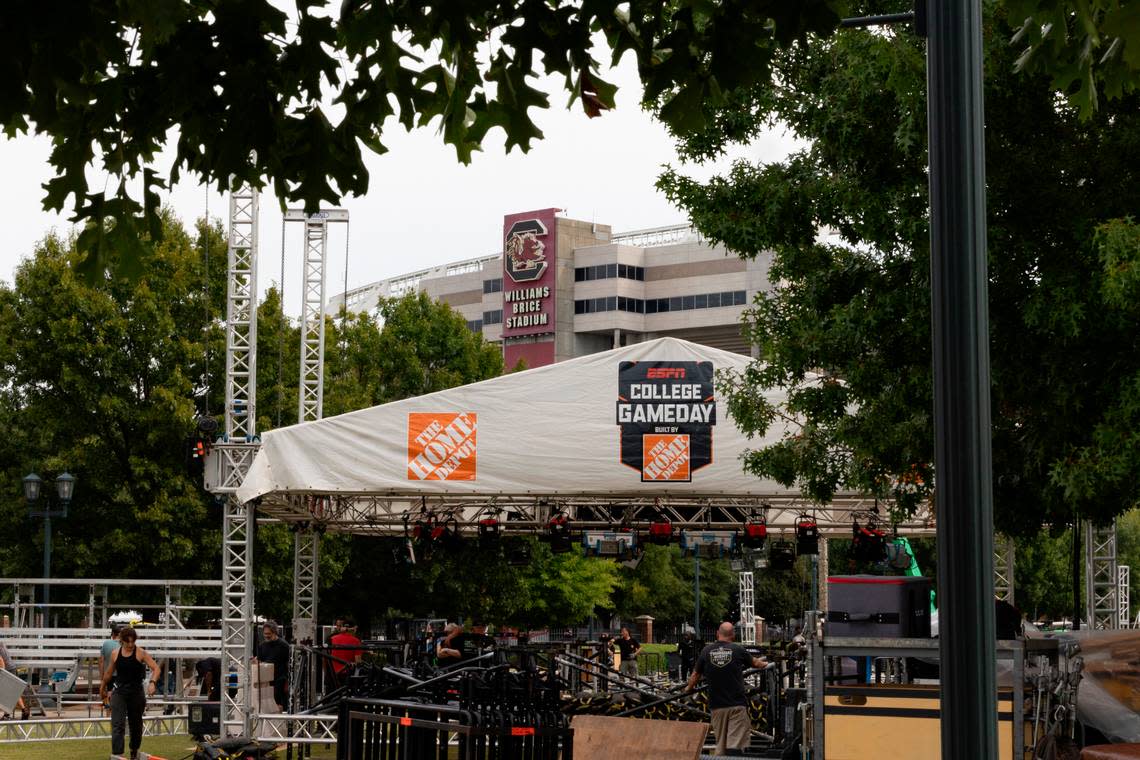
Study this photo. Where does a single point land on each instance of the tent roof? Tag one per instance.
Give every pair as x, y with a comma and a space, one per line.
548, 433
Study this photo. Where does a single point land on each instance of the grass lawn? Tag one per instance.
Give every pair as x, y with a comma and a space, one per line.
655, 661
168, 747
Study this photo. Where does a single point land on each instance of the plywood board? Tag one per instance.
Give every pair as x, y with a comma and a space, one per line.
597, 737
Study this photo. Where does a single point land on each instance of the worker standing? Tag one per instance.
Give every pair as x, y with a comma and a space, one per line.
630, 648
346, 648
722, 664
128, 700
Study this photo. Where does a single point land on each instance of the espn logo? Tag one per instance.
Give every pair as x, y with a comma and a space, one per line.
665, 373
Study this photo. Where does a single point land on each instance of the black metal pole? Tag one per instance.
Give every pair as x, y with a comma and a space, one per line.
1076, 559
960, 324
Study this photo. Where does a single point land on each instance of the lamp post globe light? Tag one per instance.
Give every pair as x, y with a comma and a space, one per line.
56, 506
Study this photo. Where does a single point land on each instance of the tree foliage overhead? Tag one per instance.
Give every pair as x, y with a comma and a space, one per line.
244, 92
846, 331
119, 80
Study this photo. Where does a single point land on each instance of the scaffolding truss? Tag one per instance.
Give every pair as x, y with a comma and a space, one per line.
310, 399
297, 729
241, 317
1003, 568
234, 454
747, 609
1124, 593
380, 516
18, 731
1102, 577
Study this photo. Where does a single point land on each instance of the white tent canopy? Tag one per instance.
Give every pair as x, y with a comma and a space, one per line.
639, 424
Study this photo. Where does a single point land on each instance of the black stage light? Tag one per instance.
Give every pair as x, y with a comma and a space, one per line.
782, 555
807, 535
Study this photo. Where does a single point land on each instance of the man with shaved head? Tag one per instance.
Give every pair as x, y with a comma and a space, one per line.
722, 664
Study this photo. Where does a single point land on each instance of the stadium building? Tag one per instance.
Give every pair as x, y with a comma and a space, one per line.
563, 288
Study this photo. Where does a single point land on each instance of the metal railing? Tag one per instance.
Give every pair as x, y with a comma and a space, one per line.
371, 729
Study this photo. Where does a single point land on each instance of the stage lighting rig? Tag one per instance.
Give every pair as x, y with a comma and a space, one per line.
615, 544
712, 544
807, 535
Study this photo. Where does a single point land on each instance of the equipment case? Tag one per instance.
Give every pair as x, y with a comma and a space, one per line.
876, 605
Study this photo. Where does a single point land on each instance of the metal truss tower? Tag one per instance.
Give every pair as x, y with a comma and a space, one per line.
233, 455
1003, 568
1124, 594
1102, 577
312, 383
747, 610
310, 406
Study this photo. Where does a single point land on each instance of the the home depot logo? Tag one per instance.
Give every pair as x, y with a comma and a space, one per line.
441, 446
666, 457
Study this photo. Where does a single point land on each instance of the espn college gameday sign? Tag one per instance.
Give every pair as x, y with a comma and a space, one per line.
665, 411
529, 257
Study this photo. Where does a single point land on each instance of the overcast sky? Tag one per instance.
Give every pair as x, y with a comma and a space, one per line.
423, 207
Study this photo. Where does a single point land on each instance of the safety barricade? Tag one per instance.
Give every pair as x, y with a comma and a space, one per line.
376, 729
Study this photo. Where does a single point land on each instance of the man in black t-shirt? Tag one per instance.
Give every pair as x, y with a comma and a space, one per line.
723, 664
274, 650
209, 670
629, 647
688, 647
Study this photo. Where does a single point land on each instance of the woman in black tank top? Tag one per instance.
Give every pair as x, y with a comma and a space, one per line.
128, 701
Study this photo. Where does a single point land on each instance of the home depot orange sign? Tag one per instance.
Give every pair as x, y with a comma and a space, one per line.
442, 446
666, 457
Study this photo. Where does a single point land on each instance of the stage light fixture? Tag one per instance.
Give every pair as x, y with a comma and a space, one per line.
782, 555
712, 544
489, 534
807, 535
755, 534
868, 542
558, 534
609, 543
661, 532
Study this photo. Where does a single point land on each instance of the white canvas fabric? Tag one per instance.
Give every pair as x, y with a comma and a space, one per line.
552, 431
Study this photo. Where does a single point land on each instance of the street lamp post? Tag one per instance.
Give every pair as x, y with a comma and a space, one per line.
55, 507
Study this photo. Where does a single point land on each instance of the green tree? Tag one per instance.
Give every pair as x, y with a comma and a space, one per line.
243, 89
100, 380
239, 92
846, 330
1043, 578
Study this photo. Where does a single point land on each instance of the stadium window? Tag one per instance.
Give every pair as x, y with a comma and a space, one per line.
492, 286
579, 274
650, 305
475, 325
622, 272
640, 273
726, 299
740, 298
688, 303
675, 303
493, 317
714, 300
611, 271
611, 303
621, 303
702, 302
